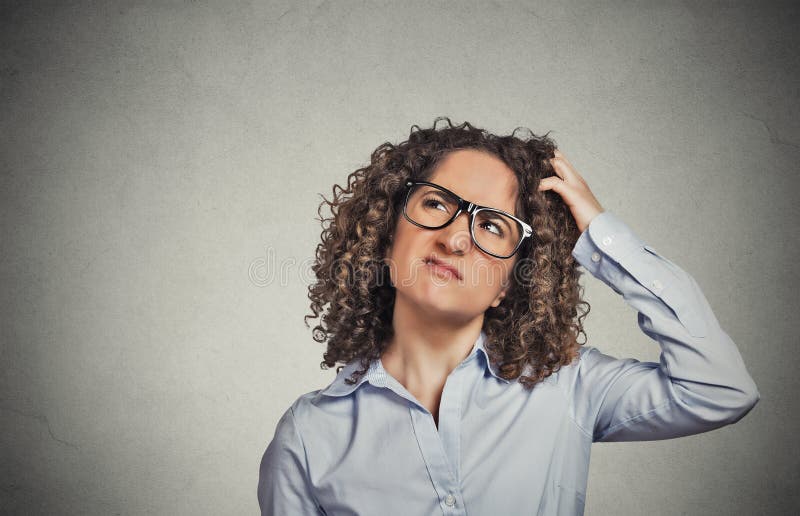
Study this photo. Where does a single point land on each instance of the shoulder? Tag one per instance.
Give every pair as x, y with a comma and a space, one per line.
588, 359
305, 403
595, 370
592, 361
288, 433
587, 355
313, 410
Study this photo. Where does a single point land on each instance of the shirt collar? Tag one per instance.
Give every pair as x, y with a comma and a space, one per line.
378, 376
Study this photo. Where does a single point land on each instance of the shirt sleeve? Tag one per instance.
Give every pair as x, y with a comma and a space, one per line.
700, 382
283, 485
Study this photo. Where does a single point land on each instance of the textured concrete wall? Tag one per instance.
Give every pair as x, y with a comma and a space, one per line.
156, 157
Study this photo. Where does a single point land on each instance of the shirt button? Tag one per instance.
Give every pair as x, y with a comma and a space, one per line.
595, 256
657, 284
607, 240
450, 500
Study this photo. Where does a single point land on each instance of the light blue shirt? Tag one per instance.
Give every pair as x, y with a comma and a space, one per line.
374, 449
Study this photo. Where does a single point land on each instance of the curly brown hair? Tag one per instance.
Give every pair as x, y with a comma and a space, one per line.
537, 323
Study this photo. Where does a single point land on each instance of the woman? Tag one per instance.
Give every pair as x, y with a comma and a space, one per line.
449, 272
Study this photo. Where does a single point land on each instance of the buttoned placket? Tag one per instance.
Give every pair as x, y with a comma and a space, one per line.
440, 449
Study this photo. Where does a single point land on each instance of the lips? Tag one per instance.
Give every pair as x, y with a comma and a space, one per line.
432, 259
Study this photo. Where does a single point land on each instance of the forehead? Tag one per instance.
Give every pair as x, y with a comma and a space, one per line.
478, 177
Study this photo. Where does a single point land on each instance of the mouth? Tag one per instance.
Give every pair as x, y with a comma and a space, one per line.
441, 266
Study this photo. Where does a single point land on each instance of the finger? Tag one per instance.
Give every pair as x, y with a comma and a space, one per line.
561, 156
564, 168
559, 153
551, 183
561, 168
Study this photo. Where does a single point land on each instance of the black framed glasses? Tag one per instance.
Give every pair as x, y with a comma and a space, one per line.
494, 231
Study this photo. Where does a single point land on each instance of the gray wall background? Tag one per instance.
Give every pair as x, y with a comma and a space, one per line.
160, 176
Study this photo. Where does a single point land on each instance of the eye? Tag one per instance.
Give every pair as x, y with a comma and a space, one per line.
432, 203
497, 231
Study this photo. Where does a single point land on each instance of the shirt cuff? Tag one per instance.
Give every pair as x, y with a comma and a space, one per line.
607, 234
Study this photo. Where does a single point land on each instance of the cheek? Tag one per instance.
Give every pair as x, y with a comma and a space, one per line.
404, 265
491, 274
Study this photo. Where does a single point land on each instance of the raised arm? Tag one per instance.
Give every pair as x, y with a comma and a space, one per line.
700, 382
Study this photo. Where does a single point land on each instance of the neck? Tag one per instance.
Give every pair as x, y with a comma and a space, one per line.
426, 347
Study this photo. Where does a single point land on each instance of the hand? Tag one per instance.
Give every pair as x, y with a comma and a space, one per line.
573, 190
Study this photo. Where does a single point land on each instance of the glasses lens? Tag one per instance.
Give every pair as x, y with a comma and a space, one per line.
495, 232
430, 206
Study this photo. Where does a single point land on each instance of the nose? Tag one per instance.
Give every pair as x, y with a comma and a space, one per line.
455, 237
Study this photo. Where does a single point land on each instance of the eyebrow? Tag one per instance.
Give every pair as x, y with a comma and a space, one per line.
432, 189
